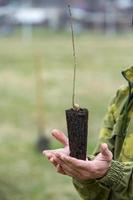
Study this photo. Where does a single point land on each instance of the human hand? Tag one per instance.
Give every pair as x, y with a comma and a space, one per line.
51, 154
85, 170
79, 169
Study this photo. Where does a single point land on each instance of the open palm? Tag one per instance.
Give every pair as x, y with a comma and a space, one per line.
79, 169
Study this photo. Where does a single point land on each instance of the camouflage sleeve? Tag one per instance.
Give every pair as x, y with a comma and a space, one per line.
120, 180
118, 183
93, 189
110, 119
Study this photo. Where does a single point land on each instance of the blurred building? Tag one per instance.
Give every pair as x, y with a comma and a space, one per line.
3, 2
108, 15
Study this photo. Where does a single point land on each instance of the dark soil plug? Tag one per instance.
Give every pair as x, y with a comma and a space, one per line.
77, 125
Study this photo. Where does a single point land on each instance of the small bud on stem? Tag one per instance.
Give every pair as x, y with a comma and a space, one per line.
76, 106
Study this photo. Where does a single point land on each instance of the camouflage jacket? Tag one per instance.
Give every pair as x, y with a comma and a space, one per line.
117, 132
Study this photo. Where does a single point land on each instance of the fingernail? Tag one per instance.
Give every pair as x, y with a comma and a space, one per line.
62, 157
52, 160
54, 131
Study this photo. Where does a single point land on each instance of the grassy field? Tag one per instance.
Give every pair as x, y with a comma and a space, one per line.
24, 173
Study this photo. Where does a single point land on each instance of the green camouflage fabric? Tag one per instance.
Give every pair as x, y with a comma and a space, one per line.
117, 132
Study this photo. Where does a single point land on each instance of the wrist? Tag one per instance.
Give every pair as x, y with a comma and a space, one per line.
114, 176
104, 172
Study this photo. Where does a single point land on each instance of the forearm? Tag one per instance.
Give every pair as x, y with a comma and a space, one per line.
91, 190
119, 179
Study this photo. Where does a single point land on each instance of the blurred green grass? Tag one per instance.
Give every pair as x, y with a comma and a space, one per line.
24, 173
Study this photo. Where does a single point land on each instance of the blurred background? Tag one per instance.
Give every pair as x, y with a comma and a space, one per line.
36, 72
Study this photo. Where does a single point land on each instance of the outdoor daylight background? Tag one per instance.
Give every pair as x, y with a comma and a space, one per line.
36, 72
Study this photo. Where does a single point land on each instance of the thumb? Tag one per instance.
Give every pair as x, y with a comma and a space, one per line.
106, 152
60, 136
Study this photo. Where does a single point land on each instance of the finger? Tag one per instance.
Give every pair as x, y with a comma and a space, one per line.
62, 161
57, 161
52, 160
60, 136
106, 152
51, 157
60, 169
78, 170
70, 172
73, 163
58, 157
48, 153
